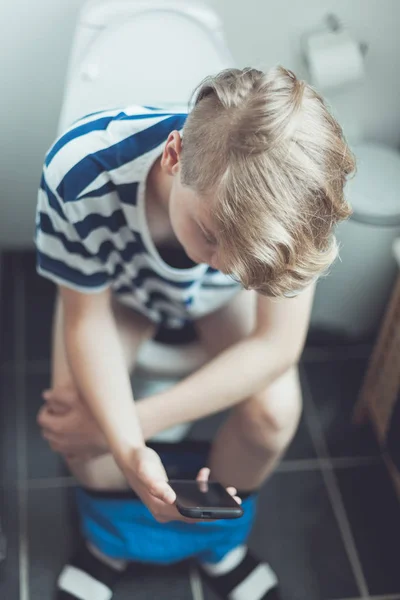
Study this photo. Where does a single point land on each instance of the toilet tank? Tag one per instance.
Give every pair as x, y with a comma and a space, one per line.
140, 52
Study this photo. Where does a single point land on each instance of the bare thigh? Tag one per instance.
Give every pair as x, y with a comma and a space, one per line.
231, 324
258, 429
134, 329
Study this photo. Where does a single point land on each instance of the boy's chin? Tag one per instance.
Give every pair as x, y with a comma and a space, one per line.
194, 258
197, 261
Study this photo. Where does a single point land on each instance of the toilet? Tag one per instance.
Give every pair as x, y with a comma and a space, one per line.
350, 304
148, 52
152, 53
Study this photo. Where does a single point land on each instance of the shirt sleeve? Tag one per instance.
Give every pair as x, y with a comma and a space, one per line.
62, 255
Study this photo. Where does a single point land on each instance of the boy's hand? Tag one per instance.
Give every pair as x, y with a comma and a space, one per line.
69, 426
70, 429
146, 475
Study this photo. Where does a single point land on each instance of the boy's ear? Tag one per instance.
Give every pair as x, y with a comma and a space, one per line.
170, 160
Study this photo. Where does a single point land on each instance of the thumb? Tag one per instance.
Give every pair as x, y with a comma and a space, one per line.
203, 474
59, 400
162, 491
63, 393
154, 478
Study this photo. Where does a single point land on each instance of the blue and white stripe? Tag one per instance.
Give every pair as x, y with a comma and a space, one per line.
91, 229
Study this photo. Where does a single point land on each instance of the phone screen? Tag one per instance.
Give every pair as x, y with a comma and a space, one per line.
199, 494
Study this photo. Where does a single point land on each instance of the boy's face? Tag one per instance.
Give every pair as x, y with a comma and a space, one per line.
190, 214
191, 221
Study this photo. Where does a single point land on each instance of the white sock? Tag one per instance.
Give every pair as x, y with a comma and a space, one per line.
90, 575
241, 576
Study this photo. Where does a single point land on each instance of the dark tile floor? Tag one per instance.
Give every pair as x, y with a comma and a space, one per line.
328, 520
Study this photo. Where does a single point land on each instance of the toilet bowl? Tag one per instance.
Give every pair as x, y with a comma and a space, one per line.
152, 53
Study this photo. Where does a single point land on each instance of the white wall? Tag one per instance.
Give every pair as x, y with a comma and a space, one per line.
267, 32
35, 38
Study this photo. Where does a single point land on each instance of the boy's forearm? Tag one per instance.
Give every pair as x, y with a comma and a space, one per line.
238, 373
99, 371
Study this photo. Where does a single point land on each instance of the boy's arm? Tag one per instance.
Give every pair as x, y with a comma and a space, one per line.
239, 372
96, 360
97, 364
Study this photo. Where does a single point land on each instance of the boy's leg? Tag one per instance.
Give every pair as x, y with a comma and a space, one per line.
247, 448
91, 575
257, 433
259, 429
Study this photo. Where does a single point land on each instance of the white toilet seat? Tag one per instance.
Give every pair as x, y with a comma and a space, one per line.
162, 360
151, 54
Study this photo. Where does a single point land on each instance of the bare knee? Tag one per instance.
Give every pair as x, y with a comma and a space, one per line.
98, 474
269, 420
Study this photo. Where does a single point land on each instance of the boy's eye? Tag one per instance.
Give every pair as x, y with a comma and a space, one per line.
210, 239
207, 235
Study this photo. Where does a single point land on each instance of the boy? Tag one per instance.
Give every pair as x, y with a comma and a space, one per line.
249, 184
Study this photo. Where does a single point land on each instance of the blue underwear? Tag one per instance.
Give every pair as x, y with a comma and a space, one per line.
121, 526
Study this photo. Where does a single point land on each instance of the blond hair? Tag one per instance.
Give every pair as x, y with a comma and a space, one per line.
275, 161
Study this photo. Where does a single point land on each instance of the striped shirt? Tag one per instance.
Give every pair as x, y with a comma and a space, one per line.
91, 227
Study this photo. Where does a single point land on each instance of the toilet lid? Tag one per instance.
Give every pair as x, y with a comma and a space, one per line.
154, 58
374, 192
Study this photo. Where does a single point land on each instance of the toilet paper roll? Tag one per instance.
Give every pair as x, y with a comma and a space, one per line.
334, 59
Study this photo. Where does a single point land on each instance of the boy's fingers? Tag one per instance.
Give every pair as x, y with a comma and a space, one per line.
62, 395
232, 491
203, 474
162, 491
149, 472
57, 408
55, 403
47, 419
50, 395
156, 486
41, 416
47, 435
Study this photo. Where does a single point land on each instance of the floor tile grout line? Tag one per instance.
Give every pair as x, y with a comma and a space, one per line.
20, 391
196, 585
350, 462
289, 466
389, 597
51, 482
345, 530
335, 495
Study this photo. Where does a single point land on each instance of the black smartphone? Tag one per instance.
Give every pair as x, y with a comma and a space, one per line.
204, 500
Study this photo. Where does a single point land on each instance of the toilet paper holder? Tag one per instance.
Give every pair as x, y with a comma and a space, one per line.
331, 55
335, 24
